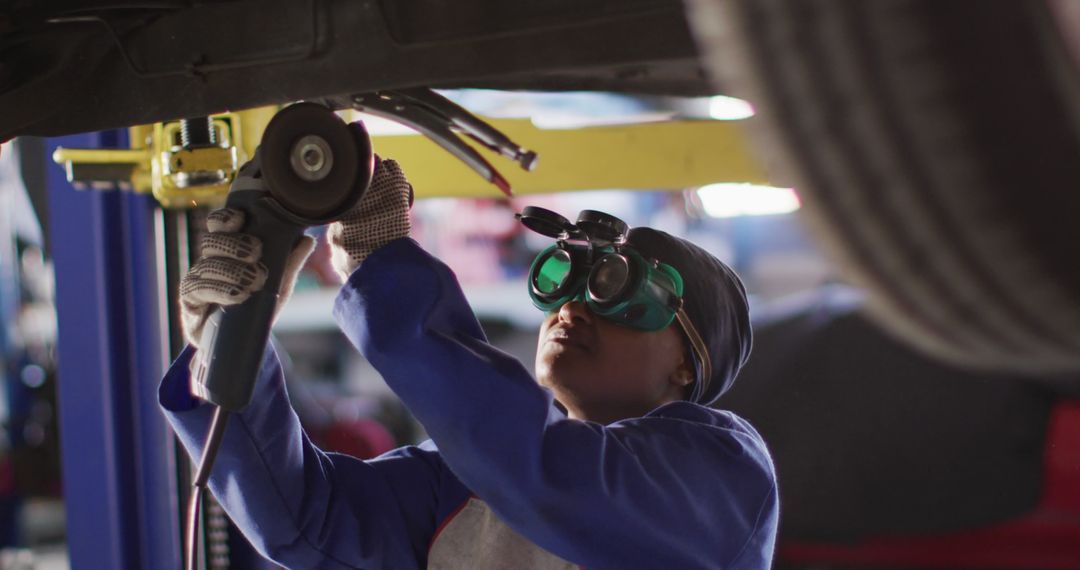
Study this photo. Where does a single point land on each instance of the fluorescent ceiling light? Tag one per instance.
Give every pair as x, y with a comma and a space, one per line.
732, 200
729, 108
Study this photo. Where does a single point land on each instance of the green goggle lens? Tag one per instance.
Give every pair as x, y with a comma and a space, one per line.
609, 277
634, 292
553, 271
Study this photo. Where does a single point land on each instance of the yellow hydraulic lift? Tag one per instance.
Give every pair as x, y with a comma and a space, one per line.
668, 155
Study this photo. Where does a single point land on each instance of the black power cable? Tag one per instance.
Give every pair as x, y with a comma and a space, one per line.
210, 449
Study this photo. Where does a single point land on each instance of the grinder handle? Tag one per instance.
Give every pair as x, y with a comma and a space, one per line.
234, 338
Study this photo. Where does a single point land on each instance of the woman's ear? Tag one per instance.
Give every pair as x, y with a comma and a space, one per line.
684, 373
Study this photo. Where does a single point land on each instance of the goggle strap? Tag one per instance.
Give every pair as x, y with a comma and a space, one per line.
698, 347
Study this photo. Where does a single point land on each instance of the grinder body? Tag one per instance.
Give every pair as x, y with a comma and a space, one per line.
314, 168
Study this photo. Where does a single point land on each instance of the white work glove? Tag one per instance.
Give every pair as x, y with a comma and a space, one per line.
229, 271
381, 217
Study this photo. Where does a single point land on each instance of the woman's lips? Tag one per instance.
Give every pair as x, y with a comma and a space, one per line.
568, 337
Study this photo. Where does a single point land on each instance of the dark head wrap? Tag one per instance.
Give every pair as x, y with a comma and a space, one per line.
714, 299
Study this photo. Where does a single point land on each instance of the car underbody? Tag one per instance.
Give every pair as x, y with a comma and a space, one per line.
85, 67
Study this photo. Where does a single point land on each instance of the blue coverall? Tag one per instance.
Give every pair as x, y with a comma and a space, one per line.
506, 481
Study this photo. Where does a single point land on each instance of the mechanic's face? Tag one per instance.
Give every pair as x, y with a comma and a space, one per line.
604, 372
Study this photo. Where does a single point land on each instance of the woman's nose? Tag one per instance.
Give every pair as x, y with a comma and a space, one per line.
572, 311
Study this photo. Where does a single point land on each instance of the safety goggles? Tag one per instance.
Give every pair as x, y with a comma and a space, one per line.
620, 285
591, 262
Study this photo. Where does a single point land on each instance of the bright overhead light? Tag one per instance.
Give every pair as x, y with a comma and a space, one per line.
729, 108
733, 200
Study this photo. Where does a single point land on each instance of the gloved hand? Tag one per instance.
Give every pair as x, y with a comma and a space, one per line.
229, 271
381, 217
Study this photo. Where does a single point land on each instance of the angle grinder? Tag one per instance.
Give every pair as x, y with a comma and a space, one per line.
314, 168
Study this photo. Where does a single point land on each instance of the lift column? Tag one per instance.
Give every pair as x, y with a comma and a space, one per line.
119, 460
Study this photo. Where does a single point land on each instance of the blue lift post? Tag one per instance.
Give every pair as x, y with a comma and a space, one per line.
118, 454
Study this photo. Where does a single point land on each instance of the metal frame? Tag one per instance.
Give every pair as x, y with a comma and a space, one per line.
119, 461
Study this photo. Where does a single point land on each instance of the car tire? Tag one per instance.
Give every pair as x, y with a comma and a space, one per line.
936, 148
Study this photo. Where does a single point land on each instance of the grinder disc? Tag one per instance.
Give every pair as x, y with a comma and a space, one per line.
315, 165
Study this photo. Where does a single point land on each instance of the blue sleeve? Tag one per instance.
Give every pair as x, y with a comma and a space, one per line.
299, 506
682, 488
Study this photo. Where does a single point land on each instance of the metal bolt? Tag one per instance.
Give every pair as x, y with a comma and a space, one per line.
311, 158
197, 132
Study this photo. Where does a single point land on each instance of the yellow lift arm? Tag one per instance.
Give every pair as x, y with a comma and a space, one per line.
670, 155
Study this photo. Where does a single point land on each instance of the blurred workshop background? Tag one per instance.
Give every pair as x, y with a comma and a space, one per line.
904, 219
